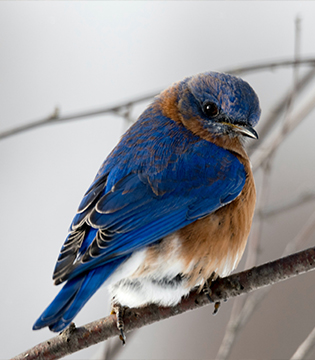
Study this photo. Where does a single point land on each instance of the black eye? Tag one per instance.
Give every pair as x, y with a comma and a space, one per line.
210, 109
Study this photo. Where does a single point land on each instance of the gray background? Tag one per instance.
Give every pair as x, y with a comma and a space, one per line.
78, 56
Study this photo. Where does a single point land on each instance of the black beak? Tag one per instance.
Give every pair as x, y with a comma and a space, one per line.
245, 130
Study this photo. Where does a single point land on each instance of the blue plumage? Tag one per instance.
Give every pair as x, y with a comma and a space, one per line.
73, 296
161, 177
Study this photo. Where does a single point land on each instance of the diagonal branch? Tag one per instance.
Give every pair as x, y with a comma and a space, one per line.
238, 316
267, 150
290, 204
271, 120
251, 303
305, 348
241, 314
75, 339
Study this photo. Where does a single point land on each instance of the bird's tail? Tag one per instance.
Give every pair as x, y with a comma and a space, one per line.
73, 296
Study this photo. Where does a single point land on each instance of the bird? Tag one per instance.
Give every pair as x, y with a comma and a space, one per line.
171, 206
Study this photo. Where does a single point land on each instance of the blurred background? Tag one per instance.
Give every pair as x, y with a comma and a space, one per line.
81, 56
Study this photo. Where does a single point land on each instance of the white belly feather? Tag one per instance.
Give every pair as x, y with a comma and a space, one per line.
160, 281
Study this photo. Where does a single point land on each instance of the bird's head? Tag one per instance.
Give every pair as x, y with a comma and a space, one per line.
219, 104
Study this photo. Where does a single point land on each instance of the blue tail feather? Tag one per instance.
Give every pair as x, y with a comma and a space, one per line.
73, 296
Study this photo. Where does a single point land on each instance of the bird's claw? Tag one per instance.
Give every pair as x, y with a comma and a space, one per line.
119, 311
122, 336
207, 288
217, 305
208, 292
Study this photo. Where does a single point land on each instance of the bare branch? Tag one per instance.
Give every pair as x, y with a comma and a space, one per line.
37, 123
300, 239
266, 150
236, 320
241, 317
305, 348
241, 314
297, 48
270, 121
75, 339
120, 108
271, 211
270, 66
256, 232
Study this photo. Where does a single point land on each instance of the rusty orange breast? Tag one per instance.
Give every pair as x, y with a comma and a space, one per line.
217, 242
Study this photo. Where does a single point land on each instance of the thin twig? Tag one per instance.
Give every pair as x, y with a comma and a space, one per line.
289, 205
265, 150
303, 235
119, 108
305, 348
241, 317
253, 248
286, 103
270, 66
235, 321
271, 120
75, 339
297, 49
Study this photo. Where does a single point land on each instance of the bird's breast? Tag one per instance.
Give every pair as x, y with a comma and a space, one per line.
170, 268
217, 242
214, 243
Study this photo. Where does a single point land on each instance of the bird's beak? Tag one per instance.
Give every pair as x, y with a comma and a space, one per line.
245, 130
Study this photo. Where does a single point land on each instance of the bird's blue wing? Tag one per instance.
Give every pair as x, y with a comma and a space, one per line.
145, 206
159, 179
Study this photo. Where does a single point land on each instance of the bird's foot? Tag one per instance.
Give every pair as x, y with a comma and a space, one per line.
119, 311
208, 292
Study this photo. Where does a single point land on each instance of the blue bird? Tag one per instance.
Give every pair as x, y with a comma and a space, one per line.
170, 207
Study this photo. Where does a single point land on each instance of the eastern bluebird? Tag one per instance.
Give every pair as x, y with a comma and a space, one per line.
171, 206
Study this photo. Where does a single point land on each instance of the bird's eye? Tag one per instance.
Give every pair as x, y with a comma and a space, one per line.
210, 109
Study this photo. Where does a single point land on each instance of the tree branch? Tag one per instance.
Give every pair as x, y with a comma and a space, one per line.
305, 348
270, 65
74, 339
119, 109
122, 108
266, 150
241, 314
270, 211
271, 120
241, 317
240, 304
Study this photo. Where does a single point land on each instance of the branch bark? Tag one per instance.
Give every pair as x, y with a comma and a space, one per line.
74, 339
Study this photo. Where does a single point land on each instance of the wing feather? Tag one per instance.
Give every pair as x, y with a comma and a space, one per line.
141, 196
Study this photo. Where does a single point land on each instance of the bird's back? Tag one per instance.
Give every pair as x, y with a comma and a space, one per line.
171, 205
